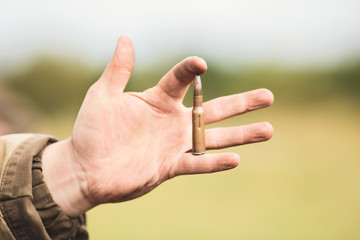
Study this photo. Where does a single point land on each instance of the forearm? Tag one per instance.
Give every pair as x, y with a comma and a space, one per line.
66, 179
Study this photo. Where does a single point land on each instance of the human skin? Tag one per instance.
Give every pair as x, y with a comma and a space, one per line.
124, 144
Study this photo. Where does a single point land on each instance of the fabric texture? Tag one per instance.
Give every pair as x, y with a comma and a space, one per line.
27, 210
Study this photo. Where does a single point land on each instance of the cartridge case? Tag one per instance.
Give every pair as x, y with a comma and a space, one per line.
198, 124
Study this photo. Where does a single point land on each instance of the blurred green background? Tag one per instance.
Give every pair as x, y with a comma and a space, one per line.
302, 184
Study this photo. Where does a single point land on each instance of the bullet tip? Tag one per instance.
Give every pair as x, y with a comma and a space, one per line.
197, 86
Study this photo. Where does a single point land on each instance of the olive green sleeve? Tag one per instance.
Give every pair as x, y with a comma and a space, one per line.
27, 210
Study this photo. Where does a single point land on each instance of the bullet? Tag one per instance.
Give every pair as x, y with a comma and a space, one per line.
198, 124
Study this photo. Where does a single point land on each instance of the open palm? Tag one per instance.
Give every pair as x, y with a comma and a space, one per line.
126, 144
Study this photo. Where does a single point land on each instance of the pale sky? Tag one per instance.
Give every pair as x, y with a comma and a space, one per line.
288, 31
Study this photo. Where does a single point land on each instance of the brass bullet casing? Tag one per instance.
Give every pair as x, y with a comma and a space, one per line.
198, 123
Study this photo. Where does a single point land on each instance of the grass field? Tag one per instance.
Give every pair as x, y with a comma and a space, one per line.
302, 184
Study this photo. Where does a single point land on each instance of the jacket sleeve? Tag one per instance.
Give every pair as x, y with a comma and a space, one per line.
27, 210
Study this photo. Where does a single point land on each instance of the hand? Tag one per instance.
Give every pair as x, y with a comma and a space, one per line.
125, 144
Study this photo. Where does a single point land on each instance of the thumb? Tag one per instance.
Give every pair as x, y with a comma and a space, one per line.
118, 71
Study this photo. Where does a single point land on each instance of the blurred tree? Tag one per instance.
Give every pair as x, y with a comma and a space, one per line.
17, 114
347, 78
57, 85
54, 85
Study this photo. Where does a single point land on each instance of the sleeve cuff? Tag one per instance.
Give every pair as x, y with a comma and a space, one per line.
25, 201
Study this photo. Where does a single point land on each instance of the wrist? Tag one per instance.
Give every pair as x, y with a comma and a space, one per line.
66, 179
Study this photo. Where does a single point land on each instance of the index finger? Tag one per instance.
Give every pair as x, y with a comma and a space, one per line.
176, 82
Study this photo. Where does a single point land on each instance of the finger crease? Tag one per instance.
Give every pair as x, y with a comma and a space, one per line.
218, 112
245, 102
242, 136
